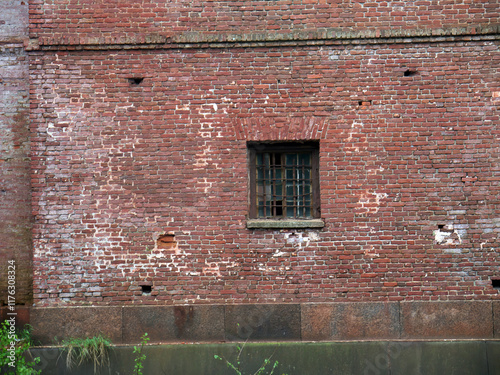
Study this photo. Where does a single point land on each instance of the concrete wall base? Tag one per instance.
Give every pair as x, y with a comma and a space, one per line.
360, 358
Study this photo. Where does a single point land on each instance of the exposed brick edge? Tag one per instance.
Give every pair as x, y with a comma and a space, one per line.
12, 40
342, 321
255, 39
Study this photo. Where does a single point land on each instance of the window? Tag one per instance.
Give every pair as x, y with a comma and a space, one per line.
284, 180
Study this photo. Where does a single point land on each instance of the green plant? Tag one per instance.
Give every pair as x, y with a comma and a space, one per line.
140, 357
14, 347
93, 349
237, 367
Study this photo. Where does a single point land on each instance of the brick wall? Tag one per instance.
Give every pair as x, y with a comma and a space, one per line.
15, 199
409, 169
69, 22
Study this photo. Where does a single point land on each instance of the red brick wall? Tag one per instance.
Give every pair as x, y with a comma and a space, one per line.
68, 21
15, 198
409, 169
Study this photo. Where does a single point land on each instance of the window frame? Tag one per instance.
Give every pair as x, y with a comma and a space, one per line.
283, 147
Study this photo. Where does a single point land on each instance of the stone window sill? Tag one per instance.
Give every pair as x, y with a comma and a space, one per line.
284, 224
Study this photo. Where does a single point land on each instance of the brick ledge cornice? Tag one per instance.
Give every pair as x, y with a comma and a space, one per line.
323, 36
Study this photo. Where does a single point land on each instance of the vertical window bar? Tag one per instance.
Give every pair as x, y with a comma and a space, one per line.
267, 195
294, 192
264, 187
303, 211
300, 178
279, 182
283, 183
299, 188
263, 192
273, 184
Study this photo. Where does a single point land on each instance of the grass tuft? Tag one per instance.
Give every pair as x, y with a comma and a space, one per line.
93, 349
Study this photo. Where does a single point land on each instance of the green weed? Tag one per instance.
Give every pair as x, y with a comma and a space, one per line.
140, 357
94, 349
237, 365
14, 347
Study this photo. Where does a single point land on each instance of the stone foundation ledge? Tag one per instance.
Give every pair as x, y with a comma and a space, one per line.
272, 322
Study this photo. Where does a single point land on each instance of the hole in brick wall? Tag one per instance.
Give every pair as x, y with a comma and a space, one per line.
445, 228
469, 179
136, 80
365, 102
146, 289
166, 241
409, 73
495, 283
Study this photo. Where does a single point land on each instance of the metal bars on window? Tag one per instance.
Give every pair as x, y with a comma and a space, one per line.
284, 181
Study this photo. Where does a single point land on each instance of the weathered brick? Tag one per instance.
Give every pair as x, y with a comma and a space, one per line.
408, 151
15, 202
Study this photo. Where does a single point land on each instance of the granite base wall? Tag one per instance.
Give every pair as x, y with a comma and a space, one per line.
280, 322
